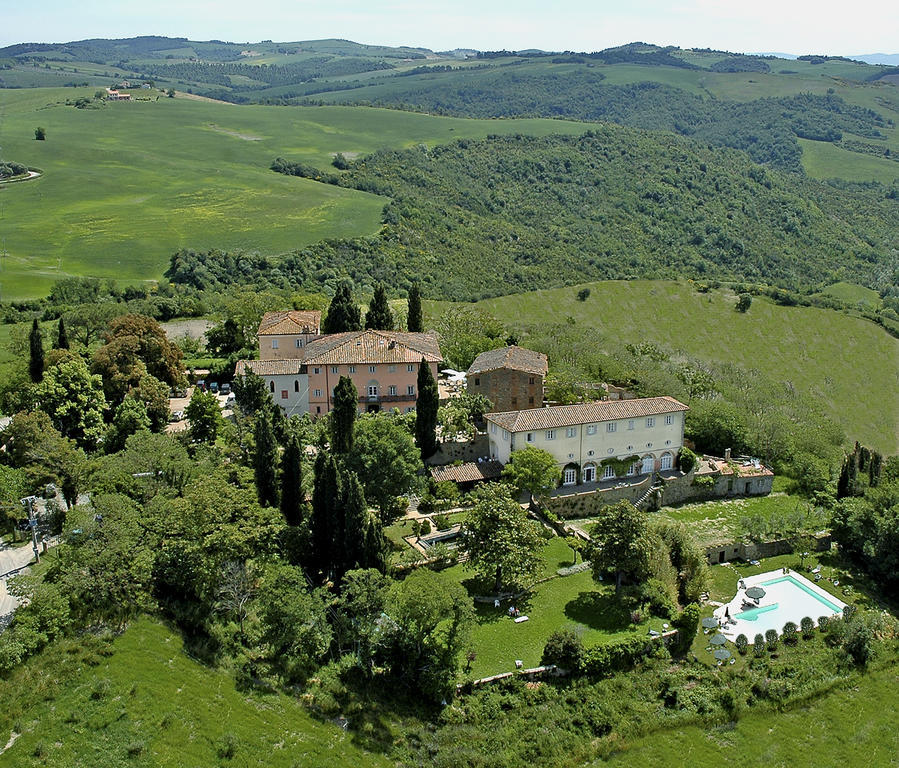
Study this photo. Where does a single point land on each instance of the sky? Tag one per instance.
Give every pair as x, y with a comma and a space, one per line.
745, 26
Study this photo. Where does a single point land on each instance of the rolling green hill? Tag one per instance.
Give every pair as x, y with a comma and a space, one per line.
126, 184
847, 364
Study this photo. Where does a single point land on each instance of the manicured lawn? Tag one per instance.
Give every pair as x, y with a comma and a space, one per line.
147, 697
789, 344
574, 602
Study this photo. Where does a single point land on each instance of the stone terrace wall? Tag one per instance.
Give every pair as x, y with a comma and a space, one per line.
587, 504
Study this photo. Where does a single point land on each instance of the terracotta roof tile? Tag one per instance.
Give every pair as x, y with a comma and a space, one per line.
269, 367
373, 347
291, 321
584, 413
468, 473
515, 358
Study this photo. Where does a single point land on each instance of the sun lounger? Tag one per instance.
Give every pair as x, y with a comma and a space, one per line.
520, 619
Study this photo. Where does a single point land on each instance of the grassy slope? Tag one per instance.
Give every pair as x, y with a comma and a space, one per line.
848, 727
176, 707
850, 364
126, 185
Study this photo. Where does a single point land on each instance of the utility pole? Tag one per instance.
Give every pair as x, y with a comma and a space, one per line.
28, 502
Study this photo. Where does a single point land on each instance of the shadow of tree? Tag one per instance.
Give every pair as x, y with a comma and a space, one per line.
598, 610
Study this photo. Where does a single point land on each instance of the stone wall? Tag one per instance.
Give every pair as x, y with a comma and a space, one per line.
746, 551
449, 451
588, 503
508, 389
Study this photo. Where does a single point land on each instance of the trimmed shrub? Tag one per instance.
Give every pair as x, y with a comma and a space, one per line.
849, 611
603, 660
564, 649
789, 633
807, 626
822, 623
758, 645
425, 527
771, 639
742, 644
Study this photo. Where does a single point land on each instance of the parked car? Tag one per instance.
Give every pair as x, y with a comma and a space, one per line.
229, 403
178, 392
176, 416
201, 385
214, 388
226, 388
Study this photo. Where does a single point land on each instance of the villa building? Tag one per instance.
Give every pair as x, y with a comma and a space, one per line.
510, 377
591, 440
383, 365
284, 335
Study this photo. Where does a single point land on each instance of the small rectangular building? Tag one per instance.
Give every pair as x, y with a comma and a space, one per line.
646, 433
284, 335
285, 380
510, 377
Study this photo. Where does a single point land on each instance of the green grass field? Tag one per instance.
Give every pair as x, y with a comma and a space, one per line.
126, 185
849, 364
143, 702
850, 293
823, 160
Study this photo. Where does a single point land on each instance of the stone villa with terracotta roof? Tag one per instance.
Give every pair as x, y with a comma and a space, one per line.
284, 335
647, 431
382, 364
510, 377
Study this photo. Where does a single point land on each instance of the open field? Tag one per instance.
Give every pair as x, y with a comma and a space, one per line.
144, 702
849, 364
127, 184
823, 160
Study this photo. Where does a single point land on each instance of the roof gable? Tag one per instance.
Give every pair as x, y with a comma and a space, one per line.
556, 416
513, 357
373, 347
292, 321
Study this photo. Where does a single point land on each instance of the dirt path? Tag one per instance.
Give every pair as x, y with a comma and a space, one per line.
31, 175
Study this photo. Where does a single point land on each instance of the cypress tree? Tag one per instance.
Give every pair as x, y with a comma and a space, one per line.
414, 321
426, 411
265, 461
62, 338
379, 317
343, 312
376, 552
36, 358
323, 524
343, 417
292, 481
355, 518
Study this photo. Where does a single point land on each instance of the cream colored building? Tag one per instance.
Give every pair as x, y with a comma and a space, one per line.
649, 431
285, 380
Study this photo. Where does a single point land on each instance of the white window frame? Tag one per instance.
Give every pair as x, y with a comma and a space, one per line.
274, 343
317, 371
352, 369
611, 427
667, 462
650, 422
550, 434
589, 473
608, 472
410, 390
410, 368
591, 429
372, 390
530, 437
391, 390
317, 392
371, 369
569, 477
630, 423
669, 420
299, 343
492, 428
570, 431
334, 369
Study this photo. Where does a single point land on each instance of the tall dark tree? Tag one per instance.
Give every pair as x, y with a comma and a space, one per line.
379, 317
36, 358
414, 322
325, 528
355, 519
343, 417
265, 461
343, 312
292, 481
426, 411
62, 337
377, 549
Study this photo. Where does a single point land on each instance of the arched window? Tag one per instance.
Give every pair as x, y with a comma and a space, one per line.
649, 465
667, 461
296, 385
271, 387
589, 473
569, 477
608, 472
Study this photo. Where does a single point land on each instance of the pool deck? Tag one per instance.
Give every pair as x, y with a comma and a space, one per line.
783, 612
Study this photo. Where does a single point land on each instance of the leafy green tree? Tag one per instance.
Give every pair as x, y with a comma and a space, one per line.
74, 401
130, 417
226, 339
62, 336
744, 302
386, 460
154, 394
361, 605
295, 630
620, 543
715, 426
204, 415
250, 393
292, 496
564, 649
414, 320
343, 312
379, 317
426, 411
343, 415
532, 470
430, 621
89, 320
501, 542
265, 462
36, 358
40, 134
465, 332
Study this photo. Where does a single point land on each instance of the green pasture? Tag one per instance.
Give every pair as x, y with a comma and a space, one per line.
850, 293
850, 365
127, 184
823, 160
142, 701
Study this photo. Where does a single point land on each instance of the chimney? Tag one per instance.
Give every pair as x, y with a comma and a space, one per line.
727, 454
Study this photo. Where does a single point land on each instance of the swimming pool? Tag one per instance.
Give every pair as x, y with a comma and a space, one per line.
788, 597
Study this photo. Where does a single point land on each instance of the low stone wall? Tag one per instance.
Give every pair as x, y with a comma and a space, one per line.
449, 452
588, 503
739, 550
